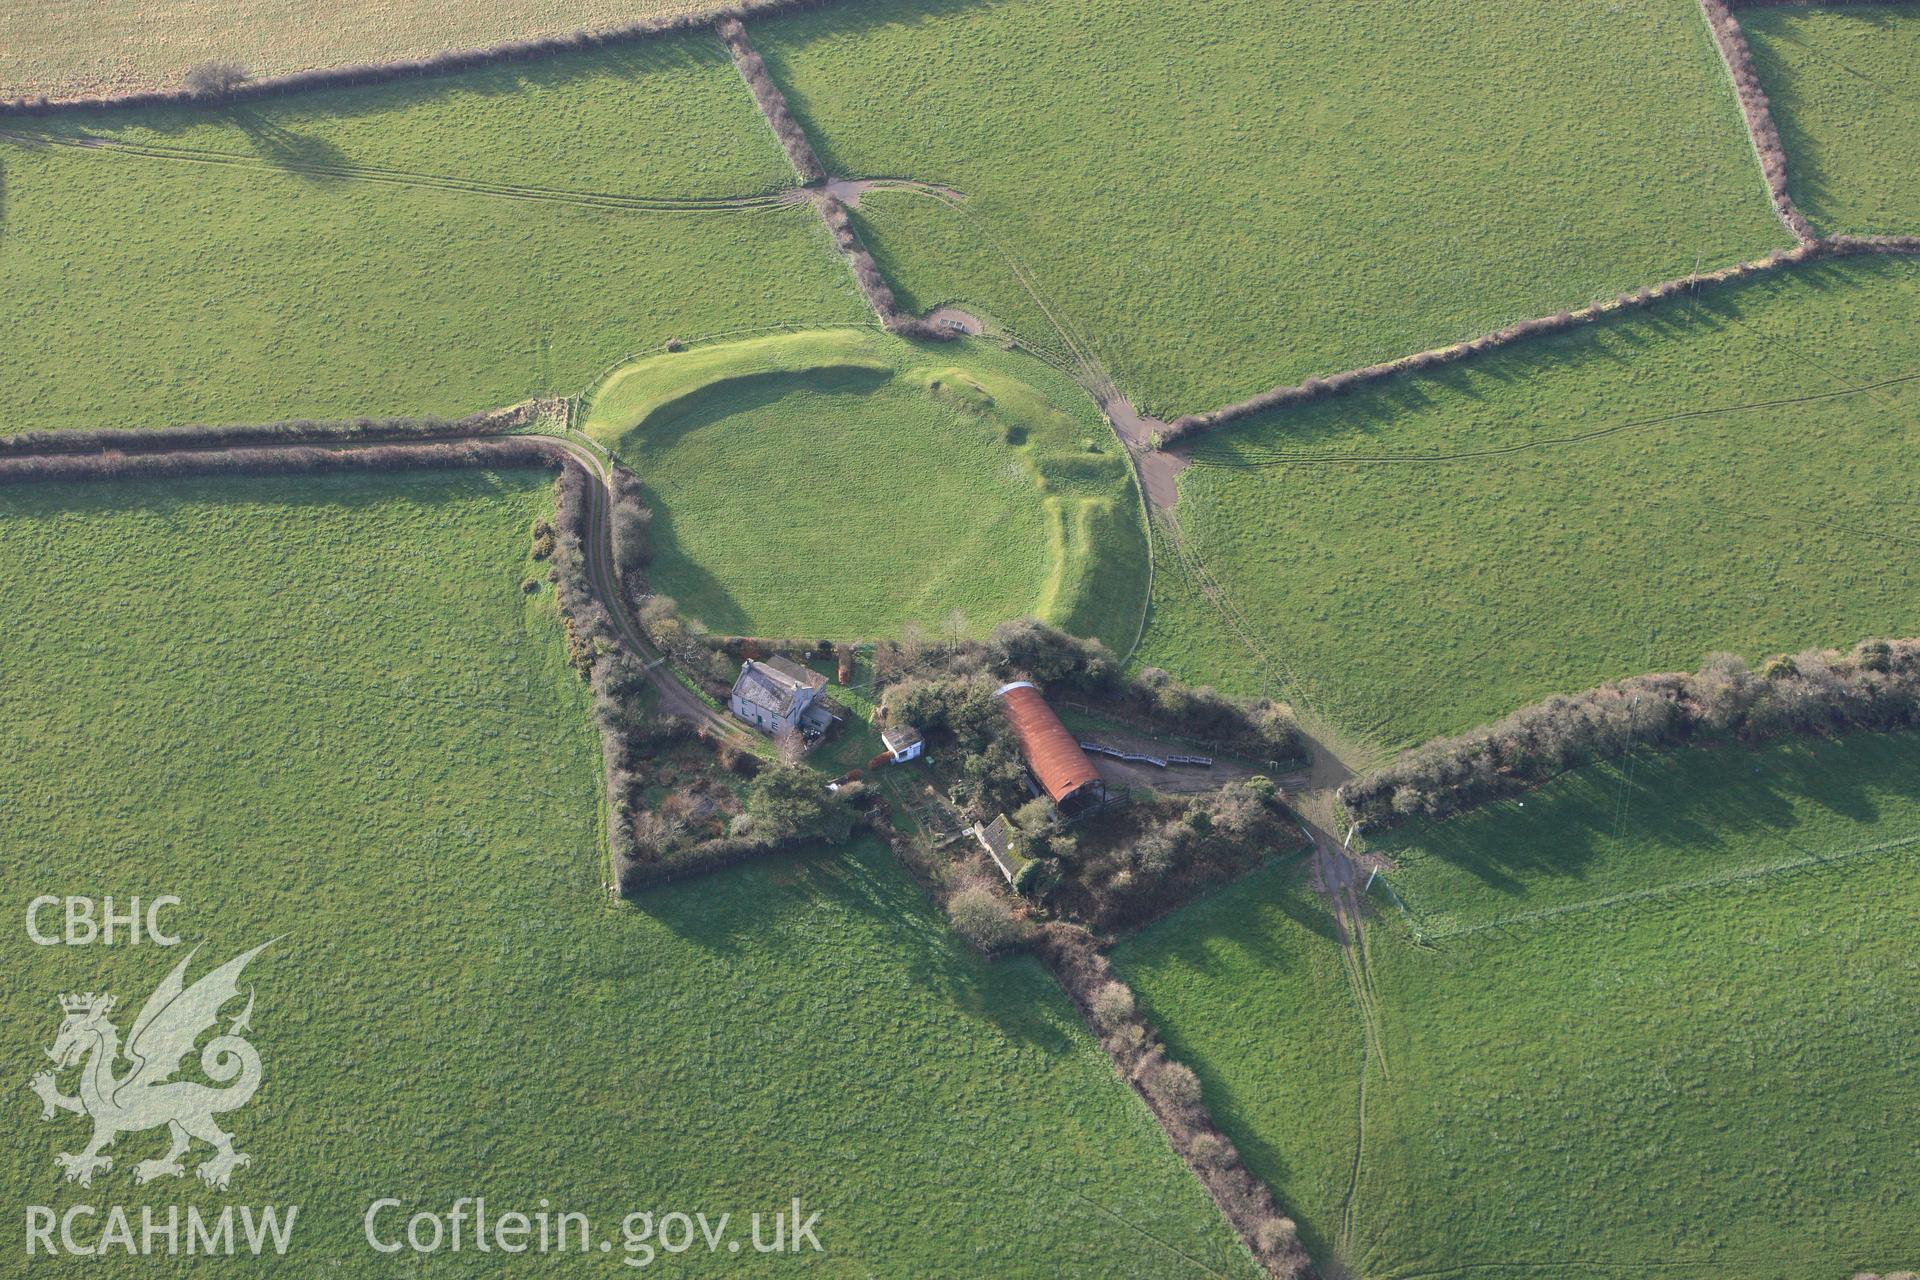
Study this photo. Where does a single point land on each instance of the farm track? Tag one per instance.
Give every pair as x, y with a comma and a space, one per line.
1335, 876
410, 178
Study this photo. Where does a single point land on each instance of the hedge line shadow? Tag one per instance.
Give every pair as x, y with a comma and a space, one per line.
721, 920
1376, 411
1563, 827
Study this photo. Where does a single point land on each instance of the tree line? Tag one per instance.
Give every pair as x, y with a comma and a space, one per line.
1173, 1093
291, 431
1875, 686
771, 101
1758, 112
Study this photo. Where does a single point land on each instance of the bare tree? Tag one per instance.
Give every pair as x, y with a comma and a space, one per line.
913, 641
214, 79
956, 626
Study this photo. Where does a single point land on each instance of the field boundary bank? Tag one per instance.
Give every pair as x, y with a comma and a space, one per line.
289, 458
1074, 958
1873, 688
1743, 875
292, 431
448, 62
1315, 388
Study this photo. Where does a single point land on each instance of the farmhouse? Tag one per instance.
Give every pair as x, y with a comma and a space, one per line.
778, 695
1054, 756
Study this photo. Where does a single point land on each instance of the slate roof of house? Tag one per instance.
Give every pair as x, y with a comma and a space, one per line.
794, 671
763, 685
1052, 753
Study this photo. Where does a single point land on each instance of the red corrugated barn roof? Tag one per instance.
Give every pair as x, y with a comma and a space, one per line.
1052, 753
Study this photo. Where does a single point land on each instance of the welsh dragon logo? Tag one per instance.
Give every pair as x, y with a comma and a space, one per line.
147, 1096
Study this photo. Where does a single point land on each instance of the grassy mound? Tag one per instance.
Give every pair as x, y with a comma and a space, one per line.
1845, 87
434, 246
844, 483
1424, 556
323, 709
1282, 212
1655, 1026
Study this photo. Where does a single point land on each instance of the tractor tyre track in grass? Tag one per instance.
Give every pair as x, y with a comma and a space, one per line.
410, 178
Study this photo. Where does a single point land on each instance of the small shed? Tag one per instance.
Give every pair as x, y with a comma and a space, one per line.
902, 741
996, 838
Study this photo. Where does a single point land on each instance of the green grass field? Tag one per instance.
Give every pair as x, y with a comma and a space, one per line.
1668, 1034
1845, 87
323, 710
1424, 556
1248, 989
433, 246
1282, 213
844, 483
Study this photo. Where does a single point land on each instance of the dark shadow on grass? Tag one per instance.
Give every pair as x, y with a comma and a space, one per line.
283, 147
712, 404
1190, 938
1692, 800
1388, 414
701, 593
723, 911
674, 573
771, 36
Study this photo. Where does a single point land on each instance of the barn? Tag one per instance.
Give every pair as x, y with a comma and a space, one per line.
1054, 758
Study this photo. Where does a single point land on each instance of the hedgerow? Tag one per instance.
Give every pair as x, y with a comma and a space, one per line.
785, 806
1876, 686
1027, 648
866, 273
1125, 867
1316, 388
1172, 1092
772, 102
1738, 54
507, 451
292, 431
